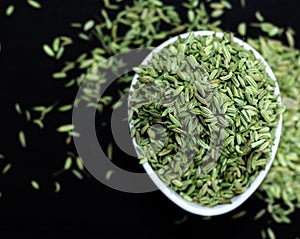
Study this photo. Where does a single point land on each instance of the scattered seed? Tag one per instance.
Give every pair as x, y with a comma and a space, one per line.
57, 187
10, 10
110, 151
35, 185
47, 49
242, 28
68, 163
18, 108
88, 25
59, 75
259, 17
34, 4
65, 128
79, 163
6, 168
108, 174
239, 214
271, 233
65, 108
22, 139
77, 174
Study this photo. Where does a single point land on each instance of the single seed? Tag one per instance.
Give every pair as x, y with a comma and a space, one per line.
88, 25
110, 151
59, 75
6, 168
22, 139
68, 163
57, 187
77, 174
47, 49
35, 185
18, 108
34, 4
65, 108
271, 233
65, 128
10, 10
109, 174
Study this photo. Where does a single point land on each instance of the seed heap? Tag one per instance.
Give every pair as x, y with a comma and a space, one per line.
219, 114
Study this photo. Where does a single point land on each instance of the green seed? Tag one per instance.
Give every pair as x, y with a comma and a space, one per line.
65, 108
271, 233
47, 49
56, 44
217, 13
6, 168
260, 214
35, 185
109, 174
28, 115
68, 163
34, 4
243, 3
76, 25
259, 17
22, 139
39, 123
18, 108
242, 28
57, 187
110, 151
59, 75
239, 214
88, 25
65, 128
77, 174
10, 10
79, 163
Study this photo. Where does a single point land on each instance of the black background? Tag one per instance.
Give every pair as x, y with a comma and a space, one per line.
87, 208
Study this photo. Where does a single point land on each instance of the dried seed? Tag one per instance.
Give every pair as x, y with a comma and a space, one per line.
259, 17
79, 163
10, 10
109, 174
18, 108
242, 28
34, 4
110, 151
65, 108
271, 233
88, 25
239, 214
6, 168
77, 174
47, 49
59, 75
57, 187
35, 185
22, 139
260, 214
39, 123
68, 163
56, 44
65, 128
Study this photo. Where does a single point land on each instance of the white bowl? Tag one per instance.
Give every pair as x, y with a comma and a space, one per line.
239, 199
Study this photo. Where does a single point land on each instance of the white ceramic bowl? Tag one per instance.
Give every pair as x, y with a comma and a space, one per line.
237, 200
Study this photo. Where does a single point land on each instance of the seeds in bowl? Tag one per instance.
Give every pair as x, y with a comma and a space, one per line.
203, 114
